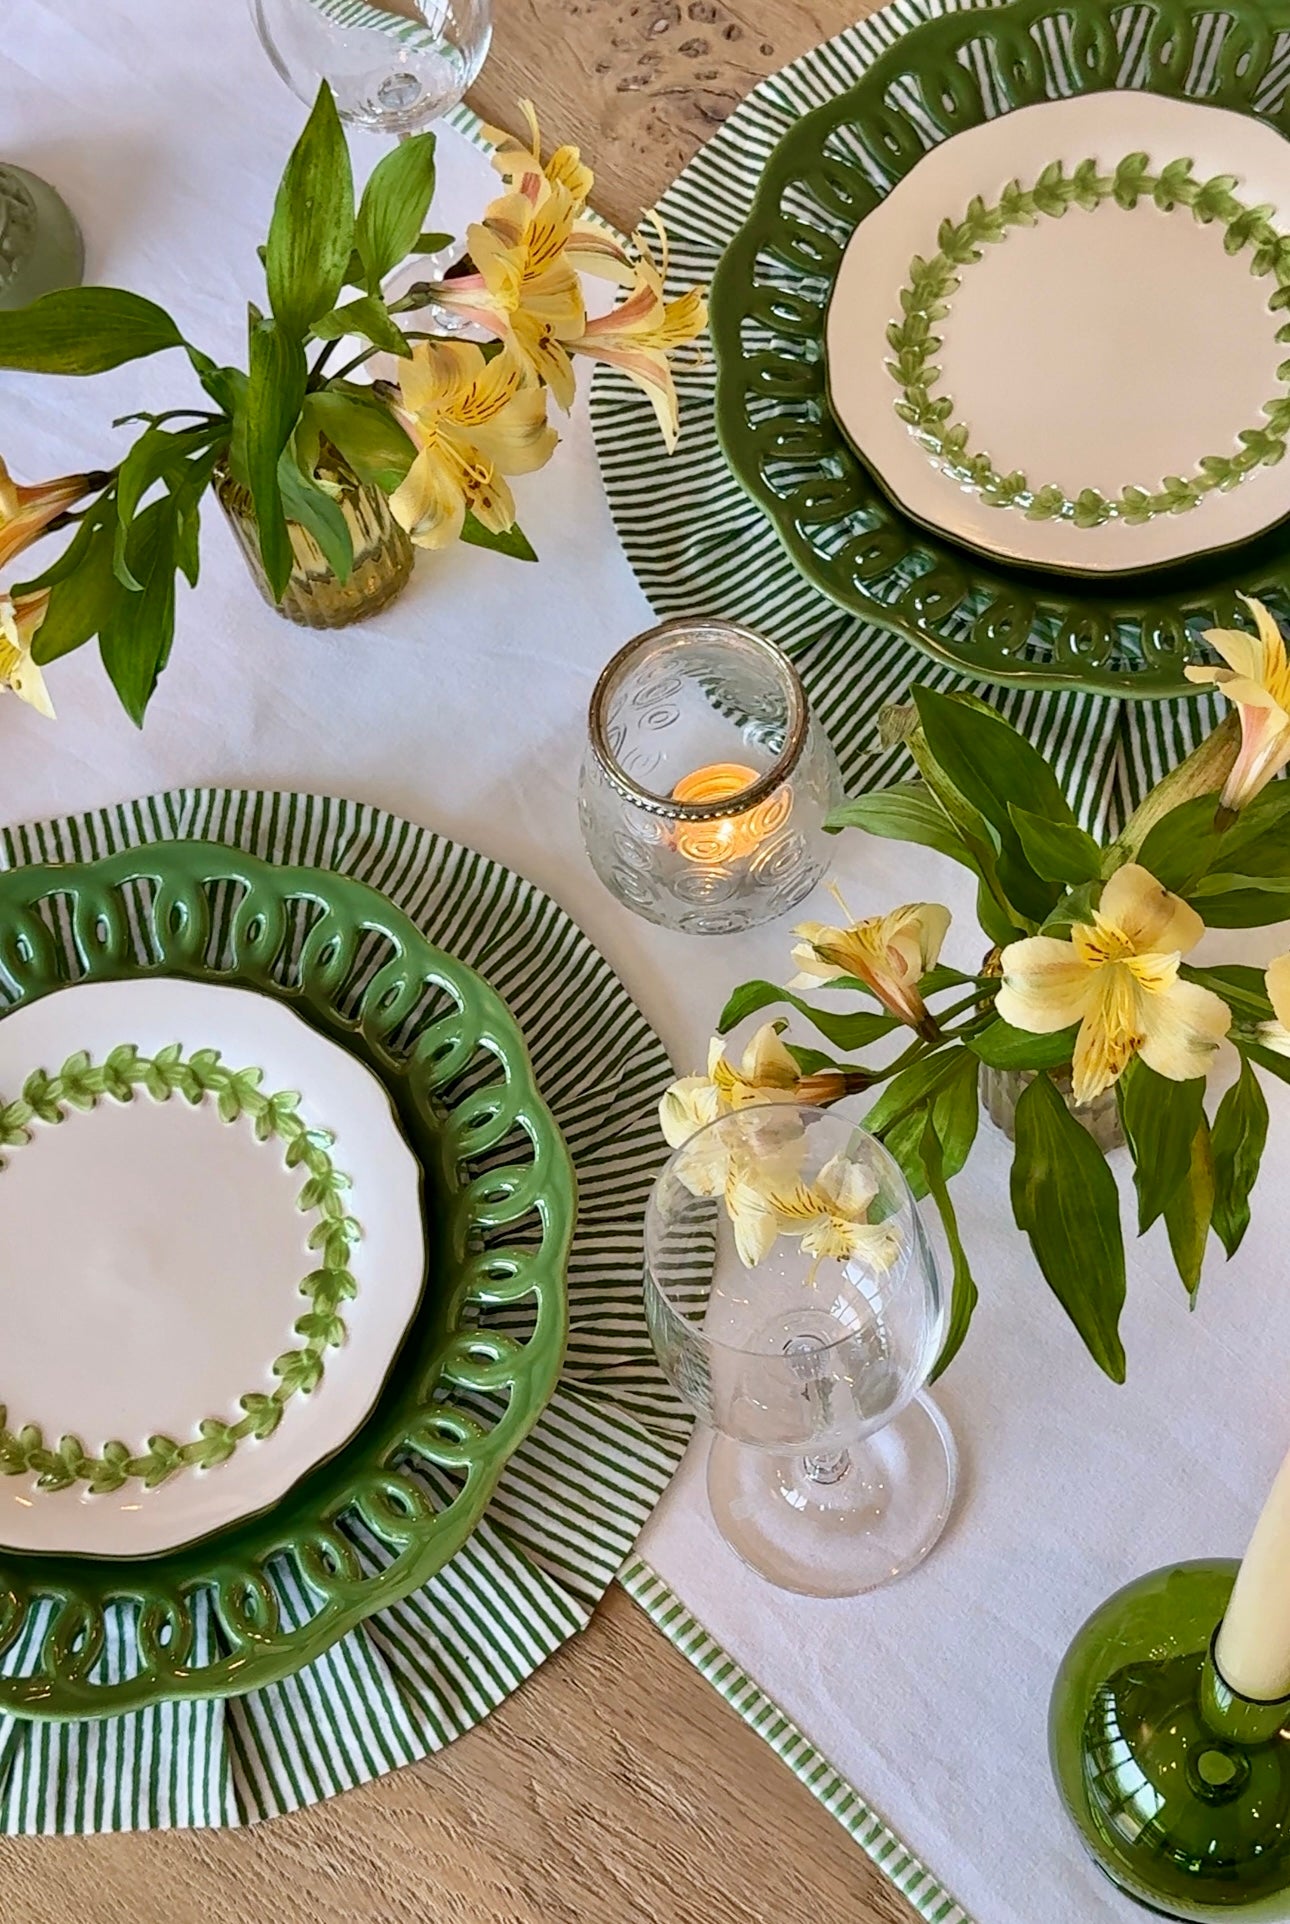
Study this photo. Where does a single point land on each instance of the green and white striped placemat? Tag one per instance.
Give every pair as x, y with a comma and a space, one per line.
573, 1499
577, 1493
698, 545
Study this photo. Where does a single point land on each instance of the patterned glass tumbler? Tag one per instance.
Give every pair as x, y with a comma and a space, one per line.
706, 781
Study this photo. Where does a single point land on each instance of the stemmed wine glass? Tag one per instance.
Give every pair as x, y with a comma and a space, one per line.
831, 1471
393, 65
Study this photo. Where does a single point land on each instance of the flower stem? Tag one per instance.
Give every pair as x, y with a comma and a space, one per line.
315, 372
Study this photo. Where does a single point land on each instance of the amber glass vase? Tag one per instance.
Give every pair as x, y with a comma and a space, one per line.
315, 596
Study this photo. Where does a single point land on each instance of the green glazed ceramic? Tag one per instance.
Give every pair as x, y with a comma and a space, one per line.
381, 1517
1179, 1789
996, 622
40, 243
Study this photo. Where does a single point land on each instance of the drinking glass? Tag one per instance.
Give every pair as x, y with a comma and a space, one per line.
706, 779
393, 65
831, 1471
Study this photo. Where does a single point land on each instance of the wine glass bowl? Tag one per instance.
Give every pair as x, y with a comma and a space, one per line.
392, 65
830, 1472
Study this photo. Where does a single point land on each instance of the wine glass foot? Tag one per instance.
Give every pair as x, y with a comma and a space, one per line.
835, 1526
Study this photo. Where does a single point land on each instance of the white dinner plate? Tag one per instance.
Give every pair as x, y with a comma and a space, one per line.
213, 1243
1058, 338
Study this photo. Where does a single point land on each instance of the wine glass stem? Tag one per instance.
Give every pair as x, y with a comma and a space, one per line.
827, 1470
831, 1466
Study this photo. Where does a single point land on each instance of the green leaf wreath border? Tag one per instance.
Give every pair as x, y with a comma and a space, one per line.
80, 1085
925, 301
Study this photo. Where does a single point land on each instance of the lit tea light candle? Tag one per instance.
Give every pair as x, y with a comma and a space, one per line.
729, 837
1253, 1647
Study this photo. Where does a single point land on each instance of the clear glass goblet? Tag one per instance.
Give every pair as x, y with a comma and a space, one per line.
831, 1471
393, 65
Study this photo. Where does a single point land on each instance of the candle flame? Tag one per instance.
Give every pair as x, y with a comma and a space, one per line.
734, 836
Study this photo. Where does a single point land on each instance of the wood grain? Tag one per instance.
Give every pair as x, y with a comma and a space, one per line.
641, 84
617, 1787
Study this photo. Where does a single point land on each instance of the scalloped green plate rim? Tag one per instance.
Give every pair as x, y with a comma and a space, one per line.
454, 1116
976, 618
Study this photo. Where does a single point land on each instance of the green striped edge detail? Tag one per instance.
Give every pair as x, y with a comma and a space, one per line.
364, 15
81, 1085
841, 1799
576, 1495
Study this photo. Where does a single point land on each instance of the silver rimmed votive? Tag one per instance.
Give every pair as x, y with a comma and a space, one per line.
706, 779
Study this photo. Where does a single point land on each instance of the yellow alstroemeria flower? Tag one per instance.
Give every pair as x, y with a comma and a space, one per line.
1257, 679
890, 953
527, 255
829, 1216
766, 1073
642, 334
25, 512
473, 421
523, 168
1276, 1034
20, 617
1118, 978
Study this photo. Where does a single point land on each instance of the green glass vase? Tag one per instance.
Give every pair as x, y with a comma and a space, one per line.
1178, 1787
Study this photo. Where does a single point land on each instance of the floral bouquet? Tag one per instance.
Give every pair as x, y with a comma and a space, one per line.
439, 440
1086, 996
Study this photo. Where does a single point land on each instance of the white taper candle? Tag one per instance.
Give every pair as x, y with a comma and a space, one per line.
1253, 1648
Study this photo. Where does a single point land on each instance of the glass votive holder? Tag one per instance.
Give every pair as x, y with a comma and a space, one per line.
706, 780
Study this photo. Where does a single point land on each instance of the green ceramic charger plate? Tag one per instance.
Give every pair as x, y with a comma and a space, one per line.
995, 622
247, 1606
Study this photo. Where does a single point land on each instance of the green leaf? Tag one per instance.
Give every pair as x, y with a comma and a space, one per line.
157, 454
1003, 1047
135, 637
906, 812
312, 231
1065, 1199
1189, 1210
85, 588
915, 1086
845, 1031
306, 503
1076, 905
368, 316
1182, 844
373, 444
1059, 851
809, 1061
992, 766
1269, 1059
1001, 922
395, 202
1160, 1119
964, 1294
275, 393
512, 541
1241, 986
1239, 1136
84, 330
431, 243
1242, 907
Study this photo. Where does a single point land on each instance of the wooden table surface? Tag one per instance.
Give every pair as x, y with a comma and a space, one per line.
616, 1787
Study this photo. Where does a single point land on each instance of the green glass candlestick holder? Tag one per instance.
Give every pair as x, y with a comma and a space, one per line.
1178, 1786
41, 248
